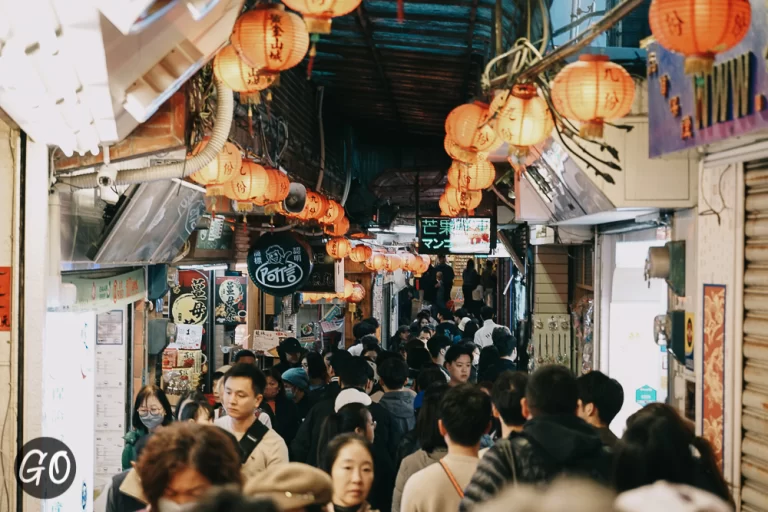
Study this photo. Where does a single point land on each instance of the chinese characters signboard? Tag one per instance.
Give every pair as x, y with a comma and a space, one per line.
466, 235
688, 111
190, 300
230, 300
435, 235
279, 264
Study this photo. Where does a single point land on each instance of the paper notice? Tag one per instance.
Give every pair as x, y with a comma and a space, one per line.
265, 340
188, 336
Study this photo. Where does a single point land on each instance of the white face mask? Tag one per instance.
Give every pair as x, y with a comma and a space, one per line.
166, 505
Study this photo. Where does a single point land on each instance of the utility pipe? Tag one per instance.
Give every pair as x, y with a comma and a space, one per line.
224, 112
569, 48
321, 92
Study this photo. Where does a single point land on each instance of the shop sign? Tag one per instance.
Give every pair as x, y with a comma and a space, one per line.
109, 291
279, 264
689, 341
190, 299
688, 111
645, 395
231, 300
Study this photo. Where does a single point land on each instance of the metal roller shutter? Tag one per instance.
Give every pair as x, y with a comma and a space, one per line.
754, 447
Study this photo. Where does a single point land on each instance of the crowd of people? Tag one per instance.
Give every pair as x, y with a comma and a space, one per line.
438, 420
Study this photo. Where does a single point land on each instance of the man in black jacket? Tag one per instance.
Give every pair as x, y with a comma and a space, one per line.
554, 442
354, 374
506, 344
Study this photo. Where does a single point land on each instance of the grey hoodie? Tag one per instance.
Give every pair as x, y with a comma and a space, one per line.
400, 405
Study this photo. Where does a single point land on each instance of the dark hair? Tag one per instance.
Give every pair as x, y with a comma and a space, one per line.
437, 343
445, 313
339, 359
276, 373
423, 315
605, 393
470, 264
418, 357
354, 373
466, 413
470, 329
316, 368
657, 446
393, 373
362, 329
217, 375
456, 351
385, 355
489, 356
504, 340
507, 392
231, 500
339, 442
427, 429
373, 322
144, 393
413, 343
461, 313
486, 313
185, 398
248, 371
427, 329
205, 448
403, 329
552, 390
347, 419
371, 344
429, 374
192, 410
244, 353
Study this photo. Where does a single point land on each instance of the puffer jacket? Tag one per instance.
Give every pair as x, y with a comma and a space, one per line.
400, 405
549, 446
411, 465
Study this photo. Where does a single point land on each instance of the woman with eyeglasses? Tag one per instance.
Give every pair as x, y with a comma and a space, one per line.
355, 418
150, 411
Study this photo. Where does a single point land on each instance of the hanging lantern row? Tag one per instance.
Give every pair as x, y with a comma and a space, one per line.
353, 292
699, 29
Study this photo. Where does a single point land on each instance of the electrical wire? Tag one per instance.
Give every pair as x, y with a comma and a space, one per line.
712, 211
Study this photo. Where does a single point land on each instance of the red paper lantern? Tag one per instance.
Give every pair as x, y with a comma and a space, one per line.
408, 261
458, 200
477, 176
699, 29
338, 248
250, 181
523, 117
239, 76
314, 207
456, 152
393, 262
270, 39
467, 125
593, 90
360, 253
333, 213
447, 210
222, 168
376, 262
338, 229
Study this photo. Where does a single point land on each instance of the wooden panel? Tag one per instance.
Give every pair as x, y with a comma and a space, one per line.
551, 298
552, 269
557, 259
542, 278
554, 309
551, 249
549, 287
162, 132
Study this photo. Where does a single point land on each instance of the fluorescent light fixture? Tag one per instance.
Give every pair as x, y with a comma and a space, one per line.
222, 266
375, 230
405, 230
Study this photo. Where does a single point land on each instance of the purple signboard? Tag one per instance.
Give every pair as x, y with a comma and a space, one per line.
686, 111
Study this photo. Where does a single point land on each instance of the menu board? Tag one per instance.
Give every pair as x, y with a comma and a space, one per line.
231, 303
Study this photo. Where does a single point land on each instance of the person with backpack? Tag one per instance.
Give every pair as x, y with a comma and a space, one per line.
465, 415
554, 442
260, 446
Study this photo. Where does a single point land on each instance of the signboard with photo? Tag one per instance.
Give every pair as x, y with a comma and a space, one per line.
189, 301
279, 264
231, 301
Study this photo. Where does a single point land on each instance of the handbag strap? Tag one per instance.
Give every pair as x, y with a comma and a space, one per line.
456, 485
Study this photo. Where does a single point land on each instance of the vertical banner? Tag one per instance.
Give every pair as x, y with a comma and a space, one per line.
713, 358
689, 323
190, 301
230, 300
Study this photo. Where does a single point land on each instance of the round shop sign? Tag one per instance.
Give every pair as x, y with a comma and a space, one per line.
279, 264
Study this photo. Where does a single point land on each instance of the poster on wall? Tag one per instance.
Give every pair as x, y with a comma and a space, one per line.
68, 400
689, 323
231, 303
189, 301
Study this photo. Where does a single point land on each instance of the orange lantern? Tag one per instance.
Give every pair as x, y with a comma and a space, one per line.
458, 200
314, 207
456, 152
270, 39
523, 117
222, 168
393, 262
250, 182
467, 125
477, 176
446, 209
318, 13
358, 293
279, 186
333, 213
349, 288
408, 260
699, 29
376, 262
230, 69
338, 248
339, 229
593, 90
360, 253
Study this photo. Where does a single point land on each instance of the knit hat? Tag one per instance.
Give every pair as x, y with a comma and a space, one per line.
671, 497
291, 486
351, 396
297, 377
